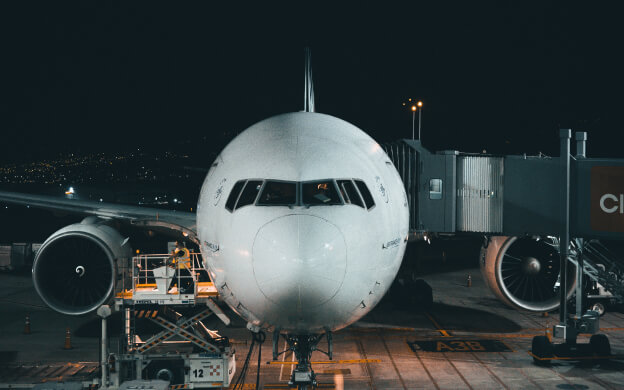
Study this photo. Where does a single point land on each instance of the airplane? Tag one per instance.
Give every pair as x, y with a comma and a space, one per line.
302, 223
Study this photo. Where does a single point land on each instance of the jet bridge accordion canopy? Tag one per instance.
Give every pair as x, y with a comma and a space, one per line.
453, 192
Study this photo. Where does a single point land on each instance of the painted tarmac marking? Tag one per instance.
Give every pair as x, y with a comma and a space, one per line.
271, 386
612, 357
352, 361
486, 345
337, 371
608, 329
292, 355
379, 328
443, 332
245, 386
508, 346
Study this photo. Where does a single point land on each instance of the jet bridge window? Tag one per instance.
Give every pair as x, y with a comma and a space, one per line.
366, 195
320, 192
278, 193
435, 189
234, 195
249, 194
349, 193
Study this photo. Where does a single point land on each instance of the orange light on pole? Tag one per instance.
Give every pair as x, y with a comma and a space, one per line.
420, 104
413, 120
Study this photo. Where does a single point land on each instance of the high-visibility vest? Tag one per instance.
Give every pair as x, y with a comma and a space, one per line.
182, 260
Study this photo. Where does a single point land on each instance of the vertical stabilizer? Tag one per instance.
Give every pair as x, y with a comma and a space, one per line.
308, 103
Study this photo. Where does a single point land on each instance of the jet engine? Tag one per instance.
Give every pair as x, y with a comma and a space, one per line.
523, 272
75, 269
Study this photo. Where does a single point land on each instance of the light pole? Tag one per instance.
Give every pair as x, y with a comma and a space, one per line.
413, 120
420, 104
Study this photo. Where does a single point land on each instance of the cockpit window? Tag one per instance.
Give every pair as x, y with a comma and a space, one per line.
278, 193
234, 195
368, 198
349, 193
249, 194
320, 192
288, 193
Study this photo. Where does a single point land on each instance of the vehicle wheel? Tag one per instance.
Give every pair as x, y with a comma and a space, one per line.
164, 374
542, 348
600, 345
599, 308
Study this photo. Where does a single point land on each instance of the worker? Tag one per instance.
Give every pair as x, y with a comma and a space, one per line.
180, 259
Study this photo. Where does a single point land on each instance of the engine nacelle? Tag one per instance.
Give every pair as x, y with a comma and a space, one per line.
75, 269
523, 272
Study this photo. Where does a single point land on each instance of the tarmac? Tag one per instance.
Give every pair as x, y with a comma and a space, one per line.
466, 340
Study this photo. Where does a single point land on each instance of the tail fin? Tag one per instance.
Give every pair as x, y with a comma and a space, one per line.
308, 102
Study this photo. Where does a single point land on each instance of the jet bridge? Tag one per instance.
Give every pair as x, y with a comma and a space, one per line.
450, 192
541, 218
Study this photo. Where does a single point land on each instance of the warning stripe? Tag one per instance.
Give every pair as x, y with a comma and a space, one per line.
171, 329
152, 343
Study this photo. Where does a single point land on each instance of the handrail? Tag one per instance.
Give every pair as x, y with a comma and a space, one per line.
143, 264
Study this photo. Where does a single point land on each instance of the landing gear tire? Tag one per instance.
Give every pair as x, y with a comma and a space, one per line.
542, 348
523, 271
600, 345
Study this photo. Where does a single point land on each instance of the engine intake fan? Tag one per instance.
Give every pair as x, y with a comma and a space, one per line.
75, 269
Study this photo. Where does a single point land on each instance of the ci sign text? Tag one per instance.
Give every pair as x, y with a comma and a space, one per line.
607, 199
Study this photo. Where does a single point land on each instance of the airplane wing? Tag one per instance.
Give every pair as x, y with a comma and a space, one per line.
167, 221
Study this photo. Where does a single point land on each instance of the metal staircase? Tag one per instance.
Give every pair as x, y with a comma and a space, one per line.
601, 265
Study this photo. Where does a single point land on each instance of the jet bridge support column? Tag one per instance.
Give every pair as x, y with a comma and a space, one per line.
562, 330
568, 328
582, 321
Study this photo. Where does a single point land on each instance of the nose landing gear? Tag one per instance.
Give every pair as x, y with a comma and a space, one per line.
303, 377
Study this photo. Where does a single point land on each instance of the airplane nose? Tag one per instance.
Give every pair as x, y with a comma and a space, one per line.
299, 261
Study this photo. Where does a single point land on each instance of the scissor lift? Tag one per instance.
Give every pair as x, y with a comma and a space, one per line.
184, 352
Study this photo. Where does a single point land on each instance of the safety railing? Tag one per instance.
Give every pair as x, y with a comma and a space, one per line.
166, 271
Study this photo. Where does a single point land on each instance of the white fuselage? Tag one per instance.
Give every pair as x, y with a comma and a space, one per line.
297, 267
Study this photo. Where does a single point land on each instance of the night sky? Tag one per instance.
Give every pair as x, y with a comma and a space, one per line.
501, 76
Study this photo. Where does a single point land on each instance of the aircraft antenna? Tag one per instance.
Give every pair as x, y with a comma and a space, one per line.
308, 102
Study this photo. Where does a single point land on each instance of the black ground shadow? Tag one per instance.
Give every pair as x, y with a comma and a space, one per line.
7, 356
448, 317
472, 320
